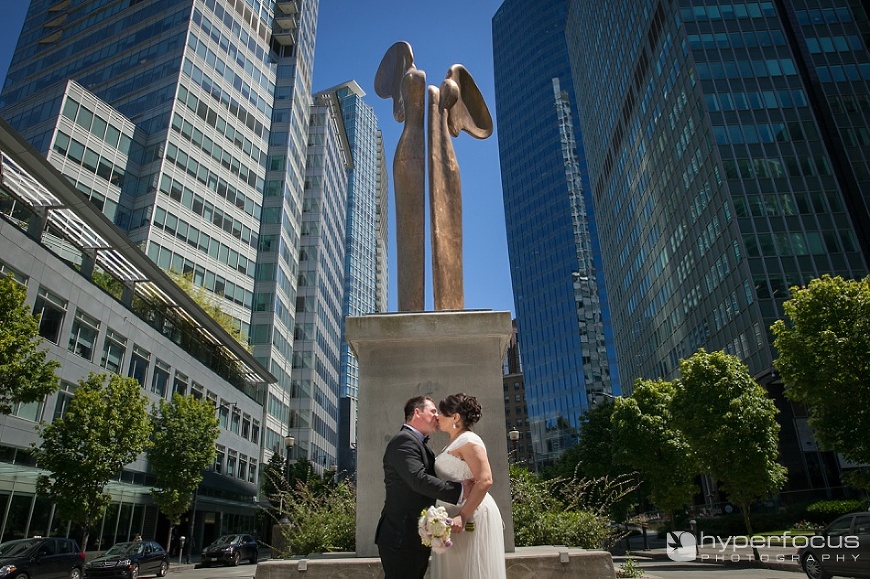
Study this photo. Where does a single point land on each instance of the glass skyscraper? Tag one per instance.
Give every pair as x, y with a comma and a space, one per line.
727, 146
365, 267
319, 325
187, 121
561, 305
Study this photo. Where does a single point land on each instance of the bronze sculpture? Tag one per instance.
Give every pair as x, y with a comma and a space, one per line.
456, 106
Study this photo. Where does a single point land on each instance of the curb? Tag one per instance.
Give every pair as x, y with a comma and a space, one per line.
658, 555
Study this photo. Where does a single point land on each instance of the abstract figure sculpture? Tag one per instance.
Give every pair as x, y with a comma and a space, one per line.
456, 106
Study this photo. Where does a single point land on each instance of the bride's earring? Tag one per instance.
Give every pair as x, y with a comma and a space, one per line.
455, 426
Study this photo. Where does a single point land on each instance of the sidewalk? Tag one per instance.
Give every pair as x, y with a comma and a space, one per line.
196, 559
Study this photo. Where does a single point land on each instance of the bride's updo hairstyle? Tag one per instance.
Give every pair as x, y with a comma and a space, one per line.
467, 407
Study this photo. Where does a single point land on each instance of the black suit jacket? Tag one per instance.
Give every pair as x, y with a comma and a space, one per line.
411, 484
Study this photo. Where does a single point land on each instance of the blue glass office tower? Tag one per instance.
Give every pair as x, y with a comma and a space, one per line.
187, 122
560, 300
727, 146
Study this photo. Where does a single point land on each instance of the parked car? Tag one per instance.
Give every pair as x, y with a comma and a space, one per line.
841, 550
230, 549
41, 558
129, 560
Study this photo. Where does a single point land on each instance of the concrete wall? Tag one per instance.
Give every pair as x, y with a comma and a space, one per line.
435, 354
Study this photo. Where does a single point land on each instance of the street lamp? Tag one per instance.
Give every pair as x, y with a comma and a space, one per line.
514, 436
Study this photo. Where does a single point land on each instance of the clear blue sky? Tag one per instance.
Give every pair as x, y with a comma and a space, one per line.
352, 37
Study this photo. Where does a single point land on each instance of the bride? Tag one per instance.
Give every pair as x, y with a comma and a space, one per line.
478, 551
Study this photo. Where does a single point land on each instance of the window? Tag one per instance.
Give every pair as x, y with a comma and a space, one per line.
83, 336
219, 459
139, 362
235, 424
255, 432
252, 471
160, 379
243, 467
196, 391
64, 395
180, 384
223, 415
114, 347
31, 411
51, 310
231, 462
246, 426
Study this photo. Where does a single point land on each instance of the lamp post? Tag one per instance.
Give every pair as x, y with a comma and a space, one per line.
514, 436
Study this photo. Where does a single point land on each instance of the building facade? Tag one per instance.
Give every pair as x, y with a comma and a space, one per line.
186, 122
59, 248
365, 265
726, 145
319, 323
560, 300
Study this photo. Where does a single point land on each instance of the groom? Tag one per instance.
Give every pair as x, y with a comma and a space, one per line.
411, 484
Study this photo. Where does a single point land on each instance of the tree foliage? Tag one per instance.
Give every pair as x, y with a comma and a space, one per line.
209, 304
824, 360
182, 445
105, 427
730, 423
273, 478
25, 374
569, 511
644, 437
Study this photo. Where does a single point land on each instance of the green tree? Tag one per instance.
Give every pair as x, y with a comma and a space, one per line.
274, 478
25, 374
727, 418
593, 456
644, 438
182, 445
824, 360
105, 427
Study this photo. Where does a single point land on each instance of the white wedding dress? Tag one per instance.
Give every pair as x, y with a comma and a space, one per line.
477, 554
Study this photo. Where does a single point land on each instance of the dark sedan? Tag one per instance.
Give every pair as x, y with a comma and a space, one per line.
841, 550
41, 558
230, 549
129, 561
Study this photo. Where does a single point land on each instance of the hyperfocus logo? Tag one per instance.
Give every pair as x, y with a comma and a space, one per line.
683, 546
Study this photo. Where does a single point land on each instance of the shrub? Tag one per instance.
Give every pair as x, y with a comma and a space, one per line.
565, 511
823, 512
323, 518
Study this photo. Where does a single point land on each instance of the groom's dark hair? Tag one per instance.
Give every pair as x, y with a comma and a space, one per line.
417, 402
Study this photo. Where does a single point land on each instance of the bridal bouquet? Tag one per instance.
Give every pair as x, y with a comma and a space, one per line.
434, 529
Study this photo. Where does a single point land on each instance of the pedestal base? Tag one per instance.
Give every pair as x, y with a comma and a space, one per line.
434, 354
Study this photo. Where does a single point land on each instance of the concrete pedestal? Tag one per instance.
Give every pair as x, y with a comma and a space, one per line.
434, 354
525, 563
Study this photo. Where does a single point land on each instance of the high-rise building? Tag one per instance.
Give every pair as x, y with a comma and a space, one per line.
727, 146
105, 307
365, 268
186, 121
560, 301
319, 325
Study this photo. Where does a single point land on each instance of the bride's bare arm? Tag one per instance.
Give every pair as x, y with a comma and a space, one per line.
475, 457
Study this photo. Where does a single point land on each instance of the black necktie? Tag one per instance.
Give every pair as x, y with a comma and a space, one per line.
426, 440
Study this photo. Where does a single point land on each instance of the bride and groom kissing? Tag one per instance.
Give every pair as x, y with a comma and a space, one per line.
458, 479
